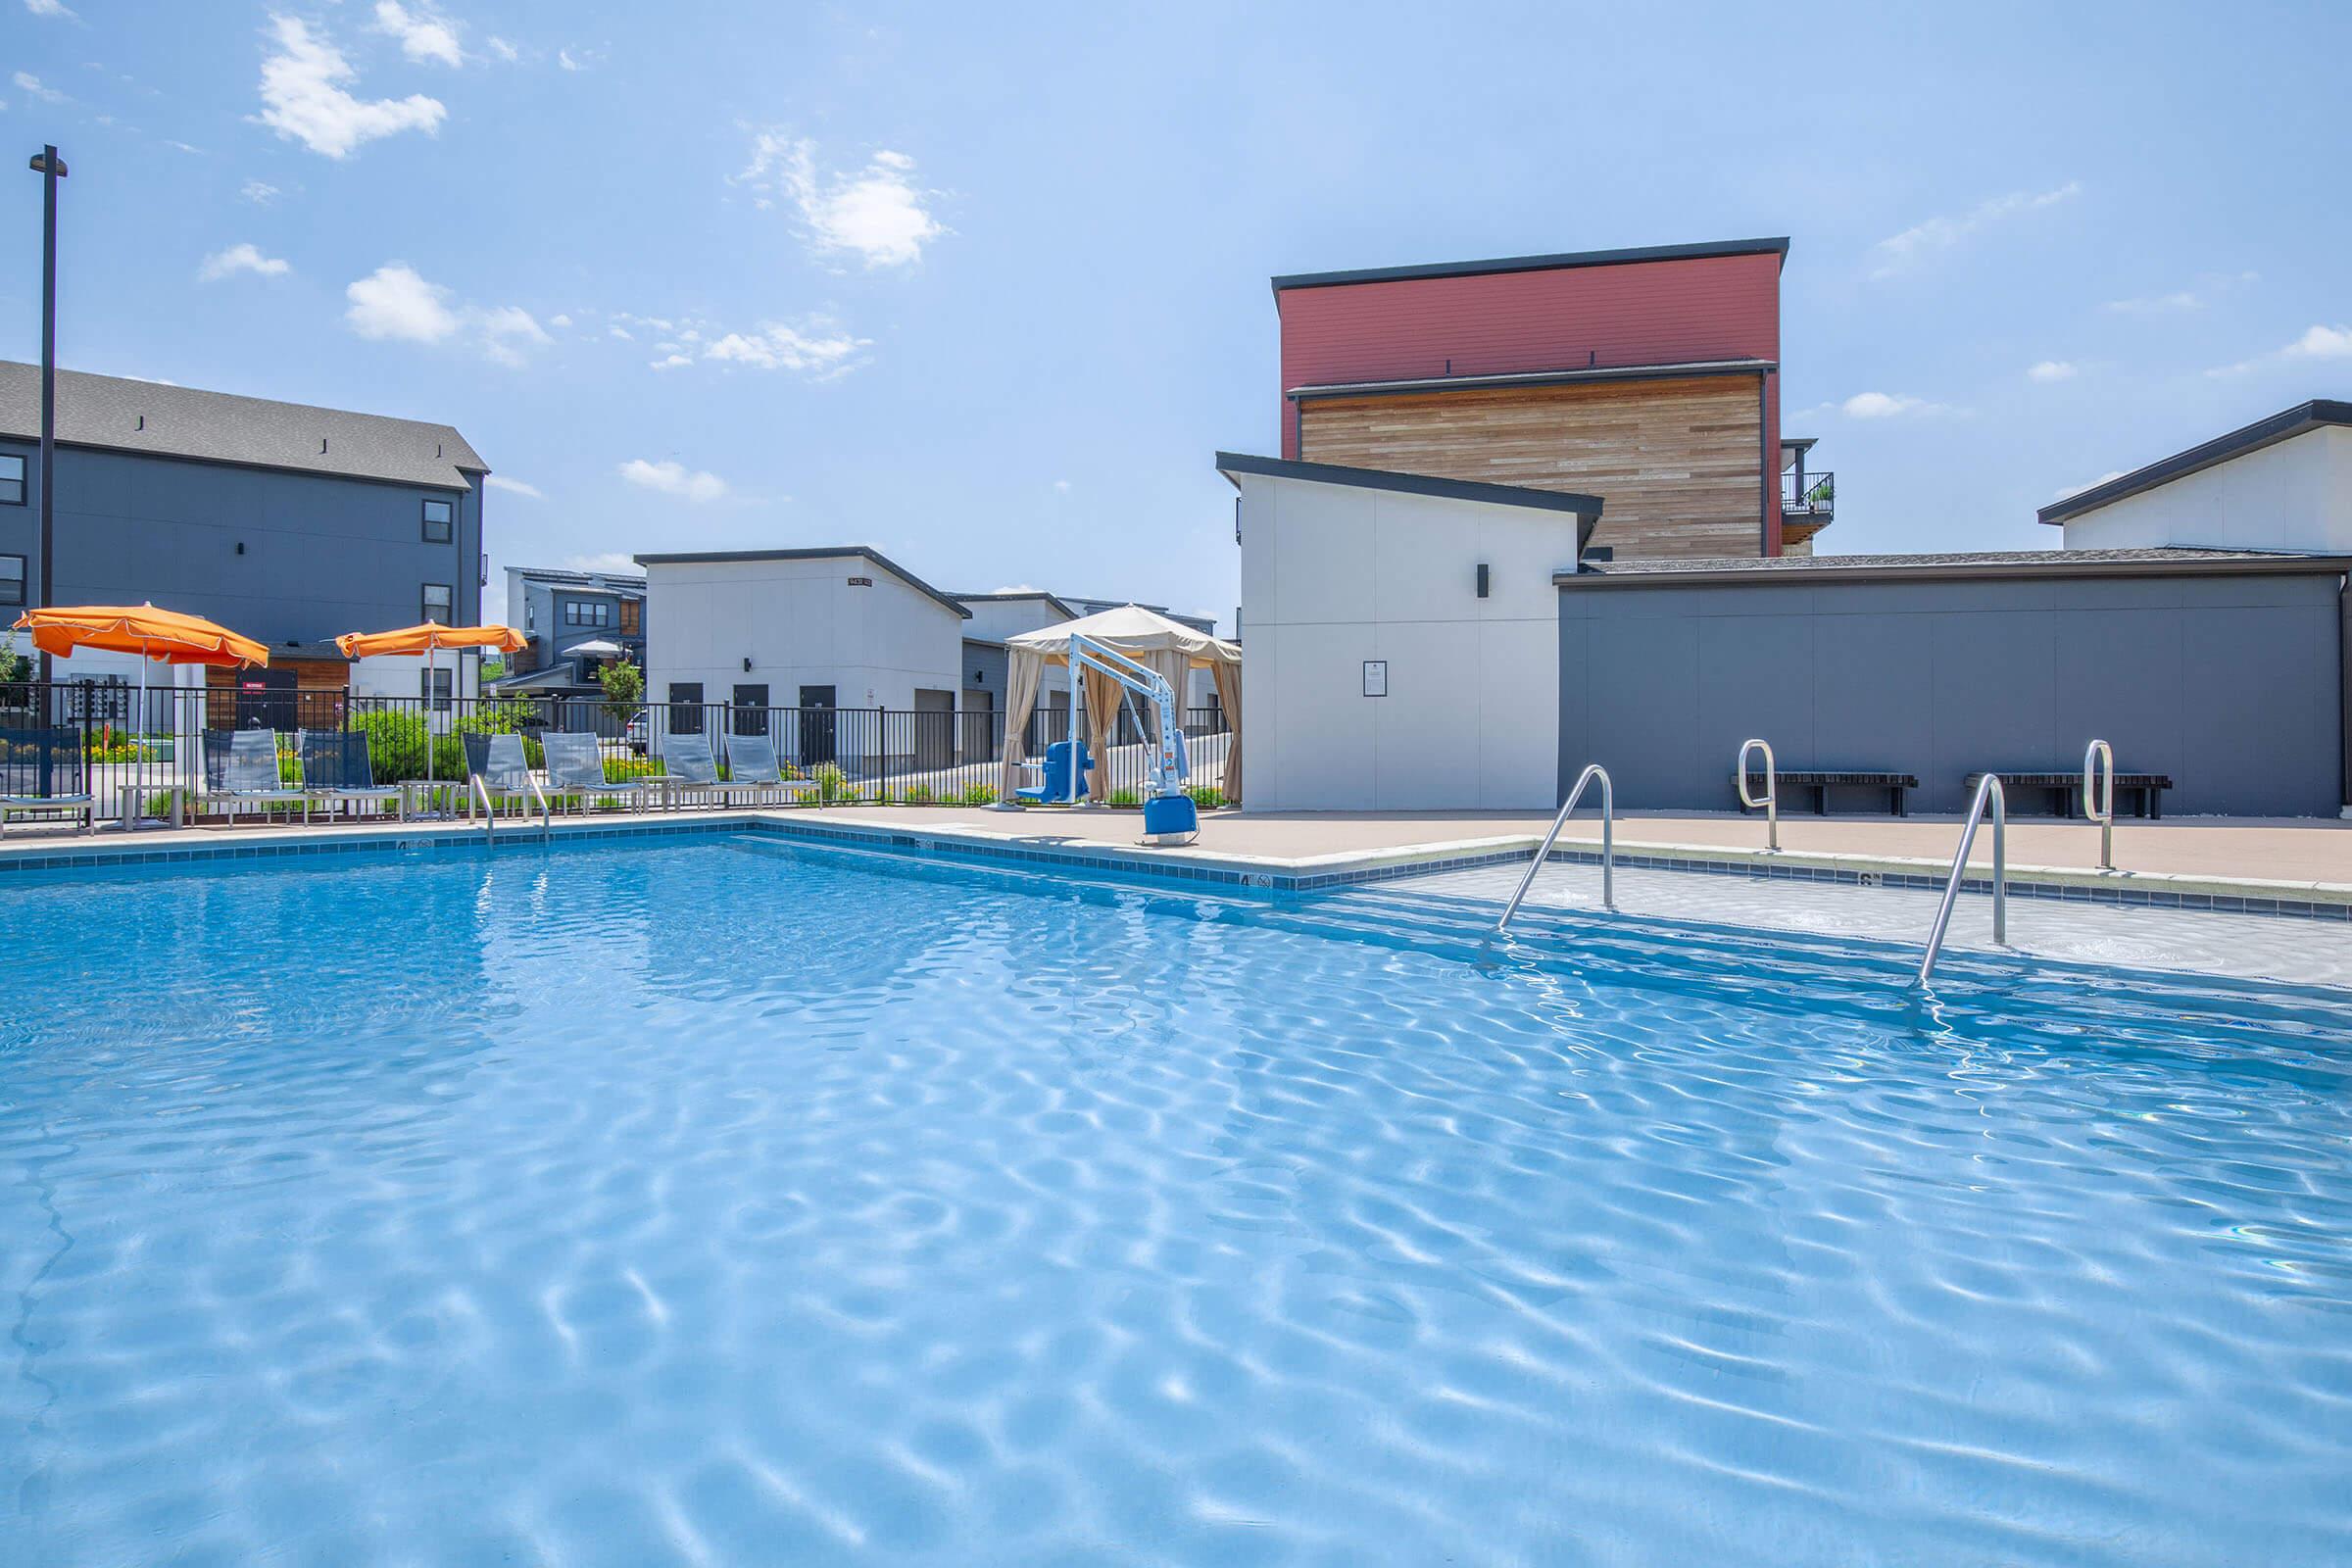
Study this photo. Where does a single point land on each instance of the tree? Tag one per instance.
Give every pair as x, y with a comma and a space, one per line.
624, 689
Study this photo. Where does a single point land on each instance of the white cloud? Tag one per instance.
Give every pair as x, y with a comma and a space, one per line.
32, 83
241, 257
1061, 486
876, 213
568, 60
2322, 343
513, 488
259, 192
670, 361
559, 322
674, 479
503, 49
2077, 489
1017, 588
623, 333
816, 346
49, 7
423, 34
395, 302
1898, 251
507, 330
2318, 342
303, 99
608, 561
1888, 406
2054, 370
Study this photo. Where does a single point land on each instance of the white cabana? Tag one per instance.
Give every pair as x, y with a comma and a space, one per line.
1168, 648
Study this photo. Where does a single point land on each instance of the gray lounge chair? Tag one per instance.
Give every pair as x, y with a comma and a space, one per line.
689, 769
336, 767
575, 769
753, 769
240, 768
41, 772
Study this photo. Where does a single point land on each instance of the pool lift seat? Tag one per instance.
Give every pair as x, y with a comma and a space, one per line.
1170, 818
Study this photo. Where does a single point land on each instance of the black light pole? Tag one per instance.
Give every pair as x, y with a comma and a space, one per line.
51, 168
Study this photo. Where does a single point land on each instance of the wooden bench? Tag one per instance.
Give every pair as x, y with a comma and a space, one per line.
1822, 781
2145, 790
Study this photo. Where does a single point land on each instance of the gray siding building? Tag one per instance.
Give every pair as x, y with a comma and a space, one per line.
289, 523
2224, 669
577, 622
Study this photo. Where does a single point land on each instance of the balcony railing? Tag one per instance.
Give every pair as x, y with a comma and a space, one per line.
1811, 495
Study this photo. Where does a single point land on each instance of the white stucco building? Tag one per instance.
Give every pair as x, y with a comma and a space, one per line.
2281, 483
1403, 637
843, 628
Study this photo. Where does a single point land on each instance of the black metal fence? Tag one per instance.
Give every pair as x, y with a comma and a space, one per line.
141, 746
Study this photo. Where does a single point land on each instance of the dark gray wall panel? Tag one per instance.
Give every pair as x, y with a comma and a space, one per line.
2234, 685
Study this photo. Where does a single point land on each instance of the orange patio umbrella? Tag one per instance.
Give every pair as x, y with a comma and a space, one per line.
428, 639
166, 635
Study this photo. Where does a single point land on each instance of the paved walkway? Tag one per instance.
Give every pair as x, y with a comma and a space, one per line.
2280, 850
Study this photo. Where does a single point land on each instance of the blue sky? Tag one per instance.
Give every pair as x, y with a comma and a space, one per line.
985, 286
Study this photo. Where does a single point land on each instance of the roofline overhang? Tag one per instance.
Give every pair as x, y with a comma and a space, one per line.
457, 484
1560, 261
1678, 371
2278, 566
692, 558
1584, 509
2284, 426
999, 599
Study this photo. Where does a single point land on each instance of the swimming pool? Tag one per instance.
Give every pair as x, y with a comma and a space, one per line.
727, 1201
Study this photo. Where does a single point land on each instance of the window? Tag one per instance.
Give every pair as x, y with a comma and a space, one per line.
530, 615
571, 613
435, 687
604, 614
685, 706
751, 710
437, 602
11, 480
11, 579
438, 524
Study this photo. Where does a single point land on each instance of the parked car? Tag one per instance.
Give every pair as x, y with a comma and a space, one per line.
635, 731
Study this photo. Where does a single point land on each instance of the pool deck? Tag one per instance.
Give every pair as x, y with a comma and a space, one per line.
2303, 862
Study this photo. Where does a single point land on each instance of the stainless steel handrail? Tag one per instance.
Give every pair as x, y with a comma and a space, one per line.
1772, 790
1609, 842
481, 792
547, 822
2099, 807
1988, 790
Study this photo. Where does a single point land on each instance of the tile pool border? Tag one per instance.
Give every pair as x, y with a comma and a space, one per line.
1200, 868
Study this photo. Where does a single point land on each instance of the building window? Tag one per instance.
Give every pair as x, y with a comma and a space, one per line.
437, 602
604, 614
438, 688
438, 522
11, 480
11, 579
685, 706
571, 613
530, 615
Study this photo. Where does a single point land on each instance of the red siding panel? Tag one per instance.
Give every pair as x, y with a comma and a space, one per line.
1644, 312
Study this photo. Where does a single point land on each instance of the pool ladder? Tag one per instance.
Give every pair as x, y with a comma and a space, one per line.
531, 784
1987, 793
1609, 842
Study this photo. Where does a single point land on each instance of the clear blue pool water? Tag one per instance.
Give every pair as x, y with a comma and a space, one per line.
718, 1203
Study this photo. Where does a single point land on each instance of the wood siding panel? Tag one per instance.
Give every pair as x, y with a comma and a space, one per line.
1677, 463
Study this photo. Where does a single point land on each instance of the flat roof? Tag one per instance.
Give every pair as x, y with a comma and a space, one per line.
2283, 426
1774, 246
1511, 378
1017, 594
1586, 508
2163, 562
616, 581
693, 558
155, 418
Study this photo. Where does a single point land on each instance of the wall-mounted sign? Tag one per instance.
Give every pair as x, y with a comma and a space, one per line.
862, 582
1376, 677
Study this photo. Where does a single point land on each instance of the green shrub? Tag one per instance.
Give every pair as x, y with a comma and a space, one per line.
621, 769
979, 795
1125, 798
1208, 797
832, 784
921, 795
396, 741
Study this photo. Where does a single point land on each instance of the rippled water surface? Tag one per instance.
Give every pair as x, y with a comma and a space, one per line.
715, 1203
